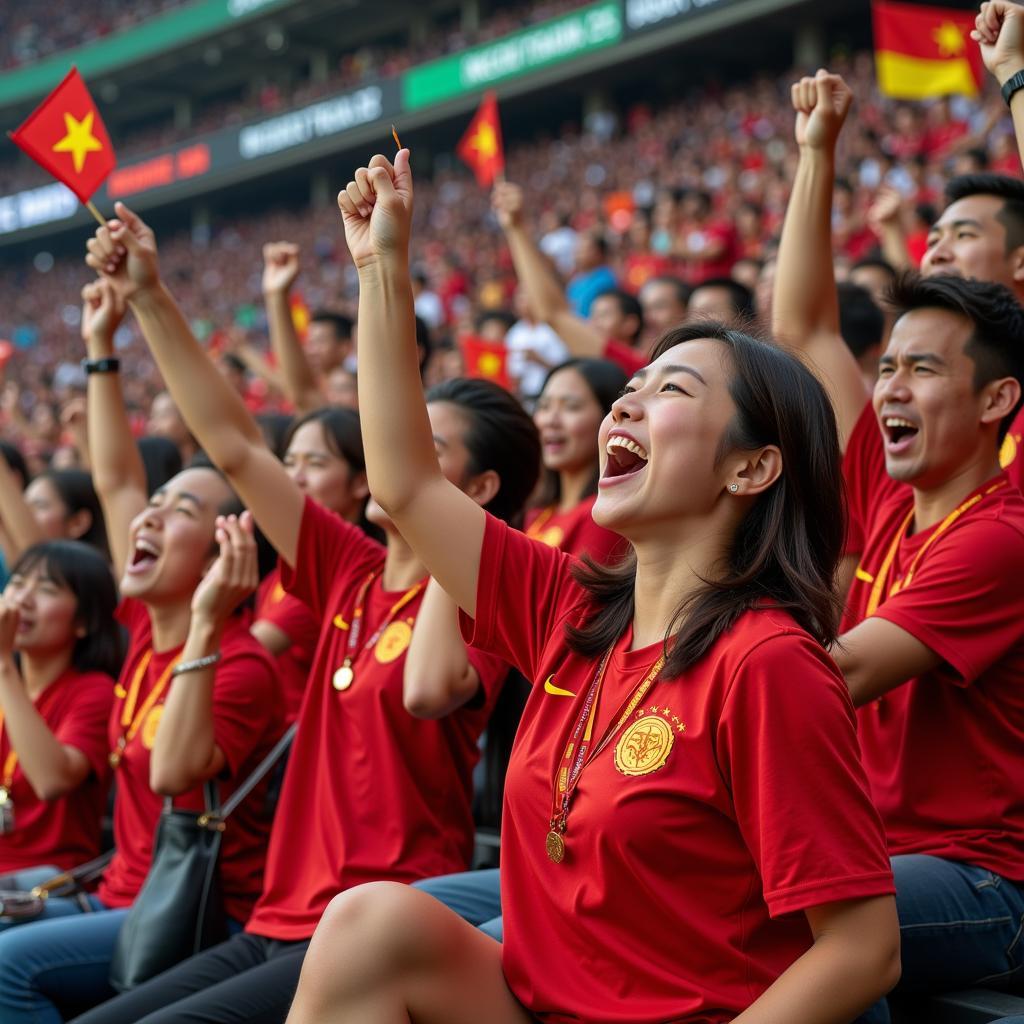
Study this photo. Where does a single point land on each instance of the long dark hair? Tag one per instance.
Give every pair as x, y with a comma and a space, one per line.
786, 550
84, 571
605, 381
76, 491
501, 437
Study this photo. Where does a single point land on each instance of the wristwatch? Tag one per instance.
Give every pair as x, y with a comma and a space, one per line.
1013, 85
110, 364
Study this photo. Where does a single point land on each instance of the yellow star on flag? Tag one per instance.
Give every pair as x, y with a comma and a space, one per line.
490, 365
79, 140
485, 142
949, 39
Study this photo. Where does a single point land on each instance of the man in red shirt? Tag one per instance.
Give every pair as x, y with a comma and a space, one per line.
932, 645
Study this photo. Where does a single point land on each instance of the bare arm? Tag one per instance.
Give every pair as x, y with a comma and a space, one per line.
438, 676
886, 220
117, 470
999, 29
280, 268
442, 525
805, 307
18, 518
854, 961
271, 637
52, 769
544, 290
213, 410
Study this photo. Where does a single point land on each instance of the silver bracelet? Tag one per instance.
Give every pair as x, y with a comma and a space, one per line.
196, 664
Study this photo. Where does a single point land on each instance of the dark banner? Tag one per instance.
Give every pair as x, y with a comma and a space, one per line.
644, 15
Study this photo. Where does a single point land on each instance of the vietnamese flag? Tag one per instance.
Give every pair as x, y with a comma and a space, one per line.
921, 52
66, 135
300, 314
485, 360
481, 146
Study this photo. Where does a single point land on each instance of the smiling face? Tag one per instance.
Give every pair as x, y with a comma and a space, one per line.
171, 540
660, 443
925, 400
568, 417
48, 612
325, 476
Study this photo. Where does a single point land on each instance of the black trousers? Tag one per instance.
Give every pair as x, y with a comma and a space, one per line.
246, 980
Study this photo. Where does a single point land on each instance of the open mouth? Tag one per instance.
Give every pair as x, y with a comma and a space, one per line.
626, 458
899, 433
144, 556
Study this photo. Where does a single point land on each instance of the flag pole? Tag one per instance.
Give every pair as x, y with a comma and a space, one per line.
91, 207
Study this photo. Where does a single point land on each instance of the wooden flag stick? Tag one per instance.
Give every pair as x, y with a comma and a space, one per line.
91, 207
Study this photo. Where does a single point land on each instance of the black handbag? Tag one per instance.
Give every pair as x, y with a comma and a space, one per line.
179, 910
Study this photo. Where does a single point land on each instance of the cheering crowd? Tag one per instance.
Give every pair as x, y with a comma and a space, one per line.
769, 766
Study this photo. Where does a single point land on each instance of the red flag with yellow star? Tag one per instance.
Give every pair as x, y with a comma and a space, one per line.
66, 135
481, 146
922, 52
485, 360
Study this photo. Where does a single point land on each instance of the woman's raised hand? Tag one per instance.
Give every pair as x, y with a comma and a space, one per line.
124, 252
376, 209
102, 312
233, 576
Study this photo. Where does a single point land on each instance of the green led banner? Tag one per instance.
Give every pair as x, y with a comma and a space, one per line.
155, 35
558, 40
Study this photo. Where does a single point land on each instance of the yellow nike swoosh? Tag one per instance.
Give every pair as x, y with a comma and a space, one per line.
339, 622
556, 691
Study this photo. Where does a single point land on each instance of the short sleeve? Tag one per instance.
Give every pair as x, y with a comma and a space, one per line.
84, 723
524, 592
867, 483
491, 671
294, 619
787, 746
330, 551
964, 600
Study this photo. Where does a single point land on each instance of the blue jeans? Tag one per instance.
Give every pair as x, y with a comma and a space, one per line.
961, 926
56, 966
474, 895
24, 881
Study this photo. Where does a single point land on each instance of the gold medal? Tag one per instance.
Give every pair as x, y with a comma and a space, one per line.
555, 846
6, 811
343, 677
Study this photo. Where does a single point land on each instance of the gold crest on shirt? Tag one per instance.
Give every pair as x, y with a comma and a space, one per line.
393, 642
552, 536
644, 747
150, 726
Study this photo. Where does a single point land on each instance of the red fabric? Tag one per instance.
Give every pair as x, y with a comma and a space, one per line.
575, 532
481, 146
624, 355
65, 831
301, 626
943, 752
485, 360
371, 793
56, 132
672, 901
640, 267
247, 716
713, 233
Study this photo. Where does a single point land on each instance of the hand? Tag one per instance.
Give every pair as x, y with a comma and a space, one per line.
885, 211
821, 104
102, 312
73, 415
232, 577
999, 30
376, 209
9, 618
507, 202
280, 266
10, 399
124, 252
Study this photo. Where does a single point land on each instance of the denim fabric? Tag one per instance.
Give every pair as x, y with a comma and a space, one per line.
474, 895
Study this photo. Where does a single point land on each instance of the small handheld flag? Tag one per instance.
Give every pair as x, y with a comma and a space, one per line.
485, 360
481, 147
921, 52
66, 136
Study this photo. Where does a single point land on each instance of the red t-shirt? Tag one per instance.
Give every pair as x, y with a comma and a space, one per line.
575, 532
276, 606
65, 831
945, 752
625, 356
247, 721
741, 802
371, 793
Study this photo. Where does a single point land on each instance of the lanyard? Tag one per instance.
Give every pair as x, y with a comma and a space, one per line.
878, 587
345, 675
574, 757
11, 761
130, 721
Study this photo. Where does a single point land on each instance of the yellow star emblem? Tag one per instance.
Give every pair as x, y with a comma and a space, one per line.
485, 142
949, 39
79, 140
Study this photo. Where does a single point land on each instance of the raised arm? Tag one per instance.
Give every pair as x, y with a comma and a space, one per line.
117, 470
18, 519
125, 253
443, 526
999, 29
544, 290
885, 218
805, 307
280, 268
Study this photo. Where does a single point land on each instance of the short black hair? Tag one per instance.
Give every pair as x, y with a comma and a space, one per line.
502, 316
161, 460
861, 322
677, 284
996, 317
15, 461
629, 305
741, 298
76, 491
876, 263
1002, 186
342, 324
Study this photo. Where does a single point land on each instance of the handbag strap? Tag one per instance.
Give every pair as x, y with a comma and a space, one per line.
279, 750
78, 876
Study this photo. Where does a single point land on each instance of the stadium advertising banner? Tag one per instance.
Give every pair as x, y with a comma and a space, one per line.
558, 40
643, 15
